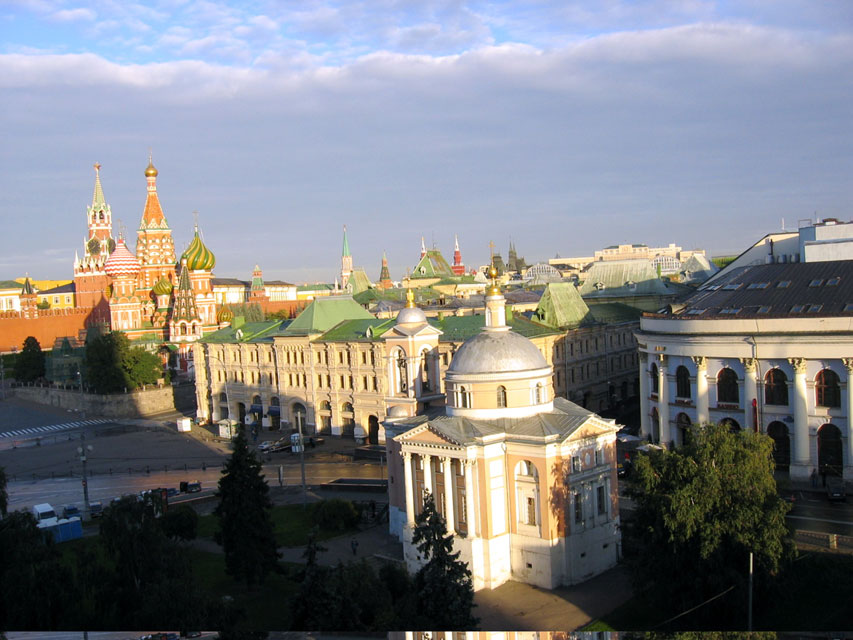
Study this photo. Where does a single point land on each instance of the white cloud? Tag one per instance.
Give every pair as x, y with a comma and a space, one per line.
73, 15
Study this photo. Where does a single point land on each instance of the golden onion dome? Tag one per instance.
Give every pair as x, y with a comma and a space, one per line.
494, 290
225, 315
198, 256
150, 170
163, 287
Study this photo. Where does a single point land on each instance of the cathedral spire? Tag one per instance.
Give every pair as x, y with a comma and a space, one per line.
345, 251
346, 262
423, 247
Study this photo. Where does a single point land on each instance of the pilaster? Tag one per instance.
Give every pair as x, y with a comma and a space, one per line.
702, 414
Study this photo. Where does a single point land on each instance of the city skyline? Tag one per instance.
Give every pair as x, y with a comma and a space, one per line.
564, 129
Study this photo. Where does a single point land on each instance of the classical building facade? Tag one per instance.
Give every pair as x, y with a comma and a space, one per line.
767, 347
525, 481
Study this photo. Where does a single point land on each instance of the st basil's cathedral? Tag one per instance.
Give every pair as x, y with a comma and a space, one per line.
153, 298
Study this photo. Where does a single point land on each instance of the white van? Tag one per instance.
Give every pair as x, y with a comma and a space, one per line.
44, 512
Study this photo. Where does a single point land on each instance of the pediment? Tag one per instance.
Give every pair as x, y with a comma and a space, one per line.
426, 435
588, 430
423, 329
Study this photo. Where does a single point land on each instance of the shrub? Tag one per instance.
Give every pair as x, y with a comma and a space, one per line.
336, 515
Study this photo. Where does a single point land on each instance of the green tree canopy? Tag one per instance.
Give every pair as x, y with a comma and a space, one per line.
700, 510
443, 584
112, 364
29, 365
245, 526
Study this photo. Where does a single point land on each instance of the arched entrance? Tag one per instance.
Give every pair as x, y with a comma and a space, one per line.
733, 425
241, 412
781, 444
829, 456
683, 423
655, 425
372, 430
299, 413
347, 420
274, 411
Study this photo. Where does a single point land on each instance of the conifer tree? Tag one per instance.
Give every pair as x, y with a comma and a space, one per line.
443, 584
245, 526
29, 365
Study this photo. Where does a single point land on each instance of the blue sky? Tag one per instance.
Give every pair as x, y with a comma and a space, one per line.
564, 126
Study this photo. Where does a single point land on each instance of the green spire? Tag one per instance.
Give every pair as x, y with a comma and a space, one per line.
27, 289
98, 201
345, 251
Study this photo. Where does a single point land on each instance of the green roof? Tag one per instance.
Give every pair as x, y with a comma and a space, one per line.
10, 284
611, 312
455, 328
355, 330
612, 278
249, 332
320, 286
432, 265
359, 281
561, 306
324, 313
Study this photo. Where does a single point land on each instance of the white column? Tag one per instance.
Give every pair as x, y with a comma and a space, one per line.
702, 414
471, 519
802, 454
428, 474
750, 391
410, 494
663, 401
448, 495
848, 362
645, 406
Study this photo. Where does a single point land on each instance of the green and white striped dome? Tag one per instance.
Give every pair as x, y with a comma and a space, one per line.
198, 256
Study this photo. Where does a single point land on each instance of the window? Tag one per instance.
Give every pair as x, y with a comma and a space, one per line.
682, 382
764, 309
848, 306
783, 284
798, 308
827, 389
776, 388
815, 283
695, 312
599, 457
655, 379
601, 499
578, 508
730, 310
733, 287
463, 397
727, 387
833, 282
502, 397
814, 308
531, 510
576, 463
758, 285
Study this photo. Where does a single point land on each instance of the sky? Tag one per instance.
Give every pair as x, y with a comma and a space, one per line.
562, 126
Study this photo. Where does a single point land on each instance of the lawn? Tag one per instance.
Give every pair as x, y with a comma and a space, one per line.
292, 523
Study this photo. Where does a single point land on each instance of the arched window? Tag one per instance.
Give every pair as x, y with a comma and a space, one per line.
683, 424
346, 407
223, 397
501, 396
653, 372
682, 382
325, 405
463, 397
827, 390
527, 493
727, 388
733, 425
402, 373
829, 450
776, 387
425, 381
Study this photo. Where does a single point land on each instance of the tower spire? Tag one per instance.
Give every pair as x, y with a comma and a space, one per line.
423, 247
98, 200
346, 261
345, 251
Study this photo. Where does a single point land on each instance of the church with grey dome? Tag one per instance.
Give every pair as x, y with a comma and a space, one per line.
525, 481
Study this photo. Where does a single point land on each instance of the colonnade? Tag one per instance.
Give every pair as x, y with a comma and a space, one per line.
446, 463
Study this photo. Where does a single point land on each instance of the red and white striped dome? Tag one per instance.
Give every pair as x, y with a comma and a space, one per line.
122, 263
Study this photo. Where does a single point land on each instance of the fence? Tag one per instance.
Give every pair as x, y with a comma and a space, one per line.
118, 470
832, 541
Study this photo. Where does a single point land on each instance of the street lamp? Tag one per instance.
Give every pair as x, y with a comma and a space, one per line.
83, 450
80, 378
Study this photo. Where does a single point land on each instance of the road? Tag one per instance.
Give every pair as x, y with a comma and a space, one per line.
62, 491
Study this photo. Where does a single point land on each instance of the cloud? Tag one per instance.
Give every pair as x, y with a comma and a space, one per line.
679, 134
73, 15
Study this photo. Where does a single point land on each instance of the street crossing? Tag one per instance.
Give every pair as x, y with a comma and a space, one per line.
50, 428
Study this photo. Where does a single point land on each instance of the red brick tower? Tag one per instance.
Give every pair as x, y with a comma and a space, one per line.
458, 266
155, 248
90, 280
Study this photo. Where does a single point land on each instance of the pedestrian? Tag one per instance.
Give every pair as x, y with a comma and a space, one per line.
814, 478
354, 545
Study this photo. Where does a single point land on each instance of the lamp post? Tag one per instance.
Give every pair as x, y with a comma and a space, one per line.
83, 450
80, 378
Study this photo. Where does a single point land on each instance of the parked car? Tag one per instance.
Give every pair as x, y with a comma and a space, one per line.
191, 487
171, 492
96, 509
70, 511
835, 490
265, 446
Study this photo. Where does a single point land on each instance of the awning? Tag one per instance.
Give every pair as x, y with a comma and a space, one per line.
274, 411
256, 408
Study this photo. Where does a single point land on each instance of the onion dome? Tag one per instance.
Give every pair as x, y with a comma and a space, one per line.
198, 256
122, 263
163, 287
150, 170
225, 315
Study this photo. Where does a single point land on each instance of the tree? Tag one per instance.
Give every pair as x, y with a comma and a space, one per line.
700, 510
112, 364
245, 527
180, 523
443, 584
29, 365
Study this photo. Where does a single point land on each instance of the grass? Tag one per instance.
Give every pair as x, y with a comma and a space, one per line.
292, 524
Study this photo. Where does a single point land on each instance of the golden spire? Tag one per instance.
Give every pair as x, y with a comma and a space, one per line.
494, 290
410, 299
150, 170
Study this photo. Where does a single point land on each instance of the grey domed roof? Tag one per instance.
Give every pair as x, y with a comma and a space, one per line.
410, 315
398, 411
497, 351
